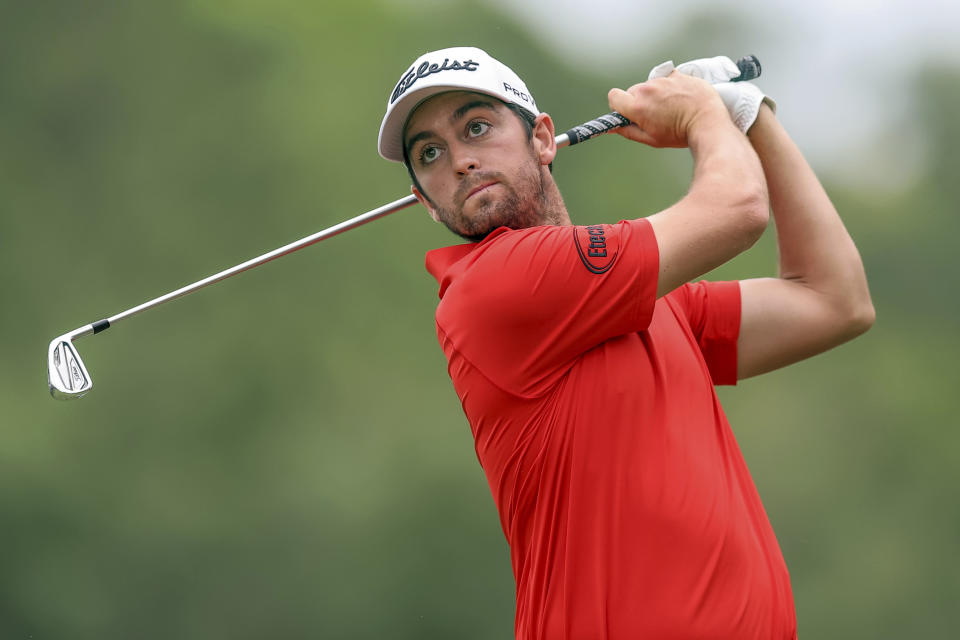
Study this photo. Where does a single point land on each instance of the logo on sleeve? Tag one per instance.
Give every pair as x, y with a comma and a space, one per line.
598, 251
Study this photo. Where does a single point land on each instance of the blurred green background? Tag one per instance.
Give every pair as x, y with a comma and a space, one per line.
283, 455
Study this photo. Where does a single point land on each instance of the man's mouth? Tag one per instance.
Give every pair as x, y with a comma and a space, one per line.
479, 189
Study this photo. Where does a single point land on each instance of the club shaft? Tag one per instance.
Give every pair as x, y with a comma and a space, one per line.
329, 232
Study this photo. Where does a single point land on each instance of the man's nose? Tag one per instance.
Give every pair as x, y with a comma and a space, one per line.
465, 161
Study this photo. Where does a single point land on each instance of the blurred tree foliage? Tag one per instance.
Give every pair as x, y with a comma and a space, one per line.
283, 455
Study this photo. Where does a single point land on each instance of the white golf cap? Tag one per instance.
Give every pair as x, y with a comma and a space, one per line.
453, 69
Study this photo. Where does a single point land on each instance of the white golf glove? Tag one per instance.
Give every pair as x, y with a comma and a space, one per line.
742, 99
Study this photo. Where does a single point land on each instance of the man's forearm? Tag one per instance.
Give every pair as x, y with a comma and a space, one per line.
724, 212
814, 246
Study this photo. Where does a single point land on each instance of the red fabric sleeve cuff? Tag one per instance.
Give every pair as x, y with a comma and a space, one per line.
650, 250
721, 331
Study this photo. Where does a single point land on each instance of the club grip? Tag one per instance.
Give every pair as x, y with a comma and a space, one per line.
749, 69
595, 127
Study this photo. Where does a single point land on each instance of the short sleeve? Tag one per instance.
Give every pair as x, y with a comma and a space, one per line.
533, 300
712, 310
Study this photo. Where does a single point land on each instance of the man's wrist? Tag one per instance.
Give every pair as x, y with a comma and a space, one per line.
710, 126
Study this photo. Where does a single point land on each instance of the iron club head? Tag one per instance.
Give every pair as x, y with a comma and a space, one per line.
67, 377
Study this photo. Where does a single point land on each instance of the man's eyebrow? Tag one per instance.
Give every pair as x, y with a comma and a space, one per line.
415, 139
462, 111
457, 115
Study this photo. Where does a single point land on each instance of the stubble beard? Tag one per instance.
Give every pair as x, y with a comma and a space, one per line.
524, 204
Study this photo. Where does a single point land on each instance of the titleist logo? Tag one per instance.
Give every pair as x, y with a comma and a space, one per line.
425, 69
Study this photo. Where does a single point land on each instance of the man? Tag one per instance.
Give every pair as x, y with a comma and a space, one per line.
585, 361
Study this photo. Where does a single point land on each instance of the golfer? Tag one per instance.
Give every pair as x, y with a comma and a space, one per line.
585, 357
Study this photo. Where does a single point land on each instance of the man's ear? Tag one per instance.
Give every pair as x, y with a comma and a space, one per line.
425, 202
544, 138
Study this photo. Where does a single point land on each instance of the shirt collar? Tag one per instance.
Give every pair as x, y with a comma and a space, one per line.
448, 263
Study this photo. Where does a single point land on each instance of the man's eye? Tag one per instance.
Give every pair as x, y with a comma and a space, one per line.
429, 154
478, 128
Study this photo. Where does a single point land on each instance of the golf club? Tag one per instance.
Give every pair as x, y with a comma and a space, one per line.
67, 376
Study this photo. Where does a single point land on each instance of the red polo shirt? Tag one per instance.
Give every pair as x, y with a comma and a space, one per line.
628, 507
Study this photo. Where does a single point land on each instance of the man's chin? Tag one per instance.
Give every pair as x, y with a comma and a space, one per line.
486, 213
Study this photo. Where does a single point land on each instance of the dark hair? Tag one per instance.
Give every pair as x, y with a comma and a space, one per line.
527, 118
